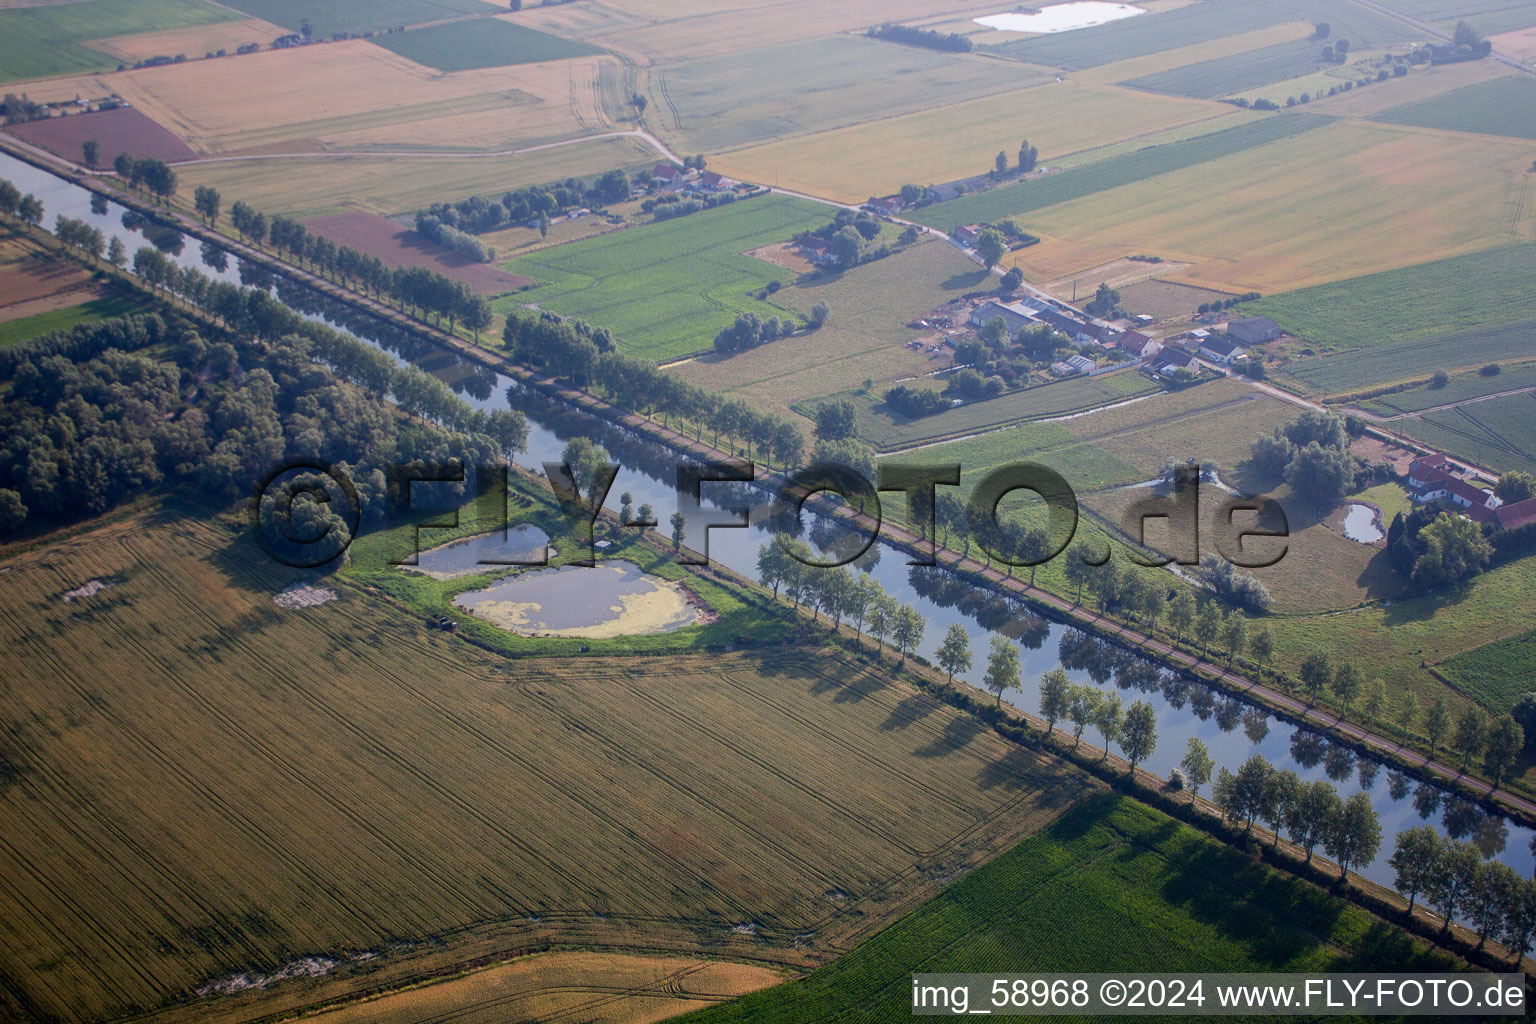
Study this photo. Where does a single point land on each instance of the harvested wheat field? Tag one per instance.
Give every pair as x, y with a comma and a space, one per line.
942, 144
255, 792
353, 95
32, 277
1359, 197
1418, 85
123, 130
196, 41
600, 988
402, 247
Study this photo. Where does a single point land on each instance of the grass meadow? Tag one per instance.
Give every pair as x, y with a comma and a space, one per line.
1460, 389
666, 289
1112, 883
249, 785
1359, 369
1496, 674
887, 429
46, 40
1504, 106
356, 16
1235, 73
481, 43
29, 327
865, 338
1499, 433
1110, 172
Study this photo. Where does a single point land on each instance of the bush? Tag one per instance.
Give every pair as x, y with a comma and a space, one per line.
914, 402
1491, 370
1440, 379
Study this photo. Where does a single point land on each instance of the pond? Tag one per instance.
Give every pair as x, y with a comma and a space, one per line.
525, 543
610, 599
1363, 523
1060, 17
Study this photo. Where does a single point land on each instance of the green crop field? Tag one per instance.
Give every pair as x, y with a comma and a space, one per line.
1111, 882
886, 429
666, 289
1460, 389
1444, 10
39, 41
1200, 23
1481, 289
1085, 466
1503, 106
1112, 172
481, 43
252, 784
1496, 674
1499, 433
355, 16
773, 92
1353, 371
27, 328
1226, 76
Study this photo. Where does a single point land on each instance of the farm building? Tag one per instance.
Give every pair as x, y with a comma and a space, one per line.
1521, 513
1015, 314
967, 235
885, 204
1169, 360
817, 252
1430, 479
1254, 330
1075, 329
1222, 350
710, 181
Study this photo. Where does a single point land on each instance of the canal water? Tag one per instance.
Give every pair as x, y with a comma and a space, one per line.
1185, 708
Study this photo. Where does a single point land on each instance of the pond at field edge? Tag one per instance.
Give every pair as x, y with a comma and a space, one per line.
525, 543
611, 599
1060, 17
1361, 523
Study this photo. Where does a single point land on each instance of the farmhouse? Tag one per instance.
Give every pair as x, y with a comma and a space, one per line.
668, 174
710, 181
1140, 346
1015, 314
1222, 350
1430, 479
1254, 330
887, 205
1521, 513
1075, 329
1169, 360
817, 252
967, 235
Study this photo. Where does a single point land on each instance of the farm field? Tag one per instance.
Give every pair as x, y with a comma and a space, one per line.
1111, 881
401, 183
604, 988
1499, 433
1503, 106
481, 43
1421, 83
1497, 674
47, 40
31, 272
1383, 364
366, 804
887, 430
1460, 389
878, 157
652, 33
1198, 23
123, 130
353, 17
666, 289
865, 338
195, 41
1235, 73
1085, 466
1111, 172
1478, 290
264, 102
770, 92
401, 247
1353, 190
38, 324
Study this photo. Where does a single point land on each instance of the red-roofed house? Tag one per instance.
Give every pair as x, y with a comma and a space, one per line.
885, 204
1430, 479
667, 174
1521, 513
968, 234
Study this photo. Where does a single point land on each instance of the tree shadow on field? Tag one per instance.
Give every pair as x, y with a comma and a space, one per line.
958, 733
862, 685
967, 280
913, 708
1015, 771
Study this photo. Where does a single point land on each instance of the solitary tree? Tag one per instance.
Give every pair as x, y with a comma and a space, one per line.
1138, 736
678, 522
1197, 765
91, 150
990, 246
954, 654
1002, 162
1002, 667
